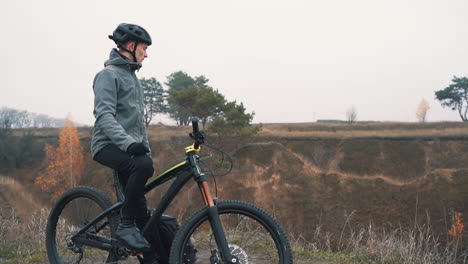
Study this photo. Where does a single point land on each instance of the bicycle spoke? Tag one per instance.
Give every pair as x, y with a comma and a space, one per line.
75, 210
247, 240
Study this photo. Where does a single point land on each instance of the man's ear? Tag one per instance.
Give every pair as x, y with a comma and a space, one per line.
130, 45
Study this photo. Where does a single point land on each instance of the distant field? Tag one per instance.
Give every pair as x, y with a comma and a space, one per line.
314, 130
366, 130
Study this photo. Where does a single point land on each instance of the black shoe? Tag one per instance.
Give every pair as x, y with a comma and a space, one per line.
128, 233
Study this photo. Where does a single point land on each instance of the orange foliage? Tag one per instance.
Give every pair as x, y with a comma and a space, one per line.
422, 111
62, 165
458, 229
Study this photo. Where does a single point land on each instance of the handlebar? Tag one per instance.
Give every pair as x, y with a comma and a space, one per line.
199, 137
195, 125
196, 134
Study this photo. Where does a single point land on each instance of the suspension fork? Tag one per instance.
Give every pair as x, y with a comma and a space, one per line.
213, 214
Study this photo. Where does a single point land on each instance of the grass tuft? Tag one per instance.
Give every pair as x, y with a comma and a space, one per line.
372, 245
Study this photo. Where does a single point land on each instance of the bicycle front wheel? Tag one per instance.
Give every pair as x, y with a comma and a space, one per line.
253, 236
72, 211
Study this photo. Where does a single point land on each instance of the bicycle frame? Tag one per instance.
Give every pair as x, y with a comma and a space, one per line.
183, 172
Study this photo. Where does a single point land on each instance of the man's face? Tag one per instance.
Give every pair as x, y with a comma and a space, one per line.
140, 52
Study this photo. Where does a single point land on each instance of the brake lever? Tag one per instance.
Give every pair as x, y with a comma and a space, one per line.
199, 137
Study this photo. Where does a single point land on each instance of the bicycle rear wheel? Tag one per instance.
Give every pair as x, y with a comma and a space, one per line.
72, 211
253, 236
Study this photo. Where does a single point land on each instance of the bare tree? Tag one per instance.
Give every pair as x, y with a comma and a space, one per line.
421, 112
23, 119
11, 118
351, 115
8, 118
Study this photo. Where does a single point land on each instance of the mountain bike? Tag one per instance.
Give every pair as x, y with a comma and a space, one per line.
82, 223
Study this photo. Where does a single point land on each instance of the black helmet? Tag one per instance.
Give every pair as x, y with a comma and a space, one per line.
126, 32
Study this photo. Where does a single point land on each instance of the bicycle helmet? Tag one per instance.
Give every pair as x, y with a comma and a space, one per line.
128, 32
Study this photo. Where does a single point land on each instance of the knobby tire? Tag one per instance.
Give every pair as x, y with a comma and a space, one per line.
74, 209
254, 237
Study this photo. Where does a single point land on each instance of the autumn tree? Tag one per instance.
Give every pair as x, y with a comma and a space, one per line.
457, 229
421, 112
62, 165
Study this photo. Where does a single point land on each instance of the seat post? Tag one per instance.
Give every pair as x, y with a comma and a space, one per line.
118, 187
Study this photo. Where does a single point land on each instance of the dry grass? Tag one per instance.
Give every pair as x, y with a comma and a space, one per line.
22, 224
377, 245
23, 242
320, 130
372, 130
15, 195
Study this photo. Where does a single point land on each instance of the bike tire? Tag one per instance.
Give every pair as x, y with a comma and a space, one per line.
252, 234
73, 210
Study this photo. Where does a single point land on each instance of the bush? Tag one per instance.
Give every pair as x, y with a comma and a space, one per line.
18, 152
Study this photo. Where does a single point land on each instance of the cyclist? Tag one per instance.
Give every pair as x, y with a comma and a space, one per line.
119, 139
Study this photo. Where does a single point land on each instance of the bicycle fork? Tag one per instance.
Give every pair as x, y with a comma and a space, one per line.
213, 214
217, 226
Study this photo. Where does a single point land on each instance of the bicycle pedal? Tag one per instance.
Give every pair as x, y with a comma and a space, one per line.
132, 252
121, 245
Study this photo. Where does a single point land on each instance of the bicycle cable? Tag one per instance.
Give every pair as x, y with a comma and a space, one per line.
210, 171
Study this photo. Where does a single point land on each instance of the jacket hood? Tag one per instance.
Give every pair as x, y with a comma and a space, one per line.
115, 58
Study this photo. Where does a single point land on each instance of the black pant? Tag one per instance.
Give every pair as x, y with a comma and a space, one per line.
133, 172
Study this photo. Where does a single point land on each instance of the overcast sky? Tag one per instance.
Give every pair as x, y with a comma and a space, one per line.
288, 61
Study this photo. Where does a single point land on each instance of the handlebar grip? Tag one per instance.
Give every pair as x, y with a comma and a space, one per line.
195, 131
195, 125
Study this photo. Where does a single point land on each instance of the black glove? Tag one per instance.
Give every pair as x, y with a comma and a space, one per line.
137, 149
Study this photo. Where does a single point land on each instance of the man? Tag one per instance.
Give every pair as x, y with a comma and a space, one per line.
119, 140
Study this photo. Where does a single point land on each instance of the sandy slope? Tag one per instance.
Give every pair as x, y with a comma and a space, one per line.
14, 195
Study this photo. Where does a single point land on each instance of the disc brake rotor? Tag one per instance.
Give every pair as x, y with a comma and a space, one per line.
239, 253
236, 251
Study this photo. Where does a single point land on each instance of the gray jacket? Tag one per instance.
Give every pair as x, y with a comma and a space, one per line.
118, 105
